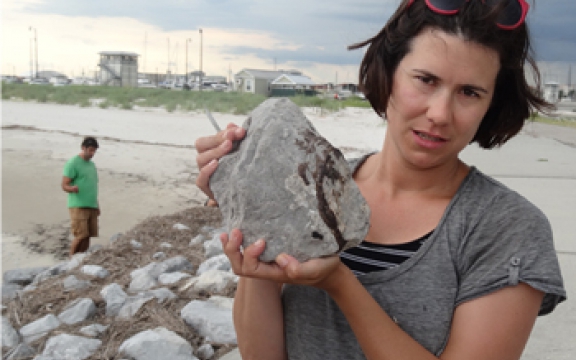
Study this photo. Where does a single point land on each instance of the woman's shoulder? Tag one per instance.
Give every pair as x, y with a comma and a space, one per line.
481, 193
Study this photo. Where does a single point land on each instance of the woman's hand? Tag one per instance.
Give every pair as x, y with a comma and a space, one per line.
212, 148
319, 273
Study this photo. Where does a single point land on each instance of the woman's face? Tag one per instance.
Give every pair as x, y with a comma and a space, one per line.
441, 91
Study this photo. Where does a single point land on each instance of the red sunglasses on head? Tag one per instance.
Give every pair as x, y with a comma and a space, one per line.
513, 13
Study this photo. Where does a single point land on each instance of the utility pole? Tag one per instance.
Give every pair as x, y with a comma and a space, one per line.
168, 63
145, 44
31, 59
200, 84
36, 41
187, 41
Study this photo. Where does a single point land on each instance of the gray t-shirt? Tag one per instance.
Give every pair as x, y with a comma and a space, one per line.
489, 237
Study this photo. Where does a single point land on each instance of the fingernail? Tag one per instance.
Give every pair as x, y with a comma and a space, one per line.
259, 242
238, 131
212, 163
281, 260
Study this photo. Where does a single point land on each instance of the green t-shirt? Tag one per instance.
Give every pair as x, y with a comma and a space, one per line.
83, 174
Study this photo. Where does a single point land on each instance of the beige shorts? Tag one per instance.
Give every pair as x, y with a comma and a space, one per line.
84, 222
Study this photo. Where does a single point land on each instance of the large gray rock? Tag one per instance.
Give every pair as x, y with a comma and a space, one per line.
22, 276
10, 291
214, 281
95, 270
288, 185
219, 262
10, 337
159, 343
172, 278
72, 283
37, 329
70, 347
212, 319
77, 311
142, 281
21, 352
114, 297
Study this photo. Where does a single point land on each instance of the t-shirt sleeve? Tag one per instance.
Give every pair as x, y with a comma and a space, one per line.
69, 170
510, 243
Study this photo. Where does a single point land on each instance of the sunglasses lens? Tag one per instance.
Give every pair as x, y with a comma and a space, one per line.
446, 5
511, 12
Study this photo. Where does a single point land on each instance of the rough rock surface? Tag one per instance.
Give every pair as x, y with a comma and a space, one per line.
288, 185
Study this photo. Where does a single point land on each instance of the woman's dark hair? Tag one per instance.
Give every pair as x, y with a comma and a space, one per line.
90, 141
513, 98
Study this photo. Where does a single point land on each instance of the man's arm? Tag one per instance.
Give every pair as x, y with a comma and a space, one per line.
66, 181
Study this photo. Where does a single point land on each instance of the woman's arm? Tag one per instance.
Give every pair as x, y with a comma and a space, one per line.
258, 319
495, 326
258, 313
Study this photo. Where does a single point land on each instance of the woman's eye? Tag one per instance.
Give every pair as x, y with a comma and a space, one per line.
426, 80
470, 93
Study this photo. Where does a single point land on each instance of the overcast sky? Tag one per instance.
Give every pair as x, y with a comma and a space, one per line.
303, 34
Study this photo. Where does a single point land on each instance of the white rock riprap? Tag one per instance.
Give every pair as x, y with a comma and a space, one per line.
39, 328
159, 343
10, 337
77, 311
70, 347
212, 319
76, 318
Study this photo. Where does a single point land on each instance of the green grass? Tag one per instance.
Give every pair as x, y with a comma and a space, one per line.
555, 121
127, 98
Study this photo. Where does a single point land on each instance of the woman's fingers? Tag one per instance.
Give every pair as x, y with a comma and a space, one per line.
211, 148
203, 178
231, 246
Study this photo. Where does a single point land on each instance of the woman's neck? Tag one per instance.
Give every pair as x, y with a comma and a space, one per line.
396, 177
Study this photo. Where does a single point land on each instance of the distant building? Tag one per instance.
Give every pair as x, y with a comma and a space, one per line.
259, 81
551, 91
291, 85
49, 74
118, 68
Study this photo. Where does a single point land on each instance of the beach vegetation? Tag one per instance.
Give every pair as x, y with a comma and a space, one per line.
186, 101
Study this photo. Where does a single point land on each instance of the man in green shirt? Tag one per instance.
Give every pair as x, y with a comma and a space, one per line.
80, 181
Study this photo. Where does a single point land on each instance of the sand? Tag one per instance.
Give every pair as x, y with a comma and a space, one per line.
146, 167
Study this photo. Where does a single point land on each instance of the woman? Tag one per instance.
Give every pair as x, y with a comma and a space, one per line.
455, 265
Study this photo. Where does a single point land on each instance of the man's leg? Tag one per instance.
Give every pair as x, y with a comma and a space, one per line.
84, 245
79, 229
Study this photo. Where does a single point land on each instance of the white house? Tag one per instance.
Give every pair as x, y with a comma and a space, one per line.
259, 81
290, 85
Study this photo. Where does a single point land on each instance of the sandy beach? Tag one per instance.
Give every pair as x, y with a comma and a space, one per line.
145, 164
146, 167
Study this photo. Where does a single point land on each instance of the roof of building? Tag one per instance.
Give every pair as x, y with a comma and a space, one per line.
270, 74
293, 79
47, 74
118, 53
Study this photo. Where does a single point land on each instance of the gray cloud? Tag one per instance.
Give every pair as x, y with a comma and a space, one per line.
311, 24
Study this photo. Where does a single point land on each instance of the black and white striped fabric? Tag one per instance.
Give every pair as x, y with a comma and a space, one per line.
369, 257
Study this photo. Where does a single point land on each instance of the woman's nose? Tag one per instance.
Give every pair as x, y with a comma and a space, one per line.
440, 110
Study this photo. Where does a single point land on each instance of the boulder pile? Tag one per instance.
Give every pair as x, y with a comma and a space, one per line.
164, 290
